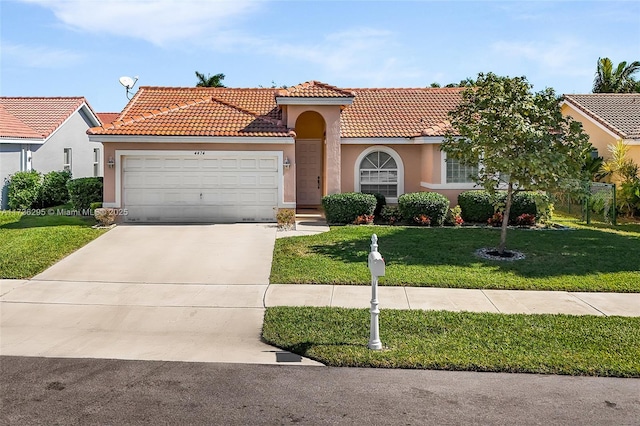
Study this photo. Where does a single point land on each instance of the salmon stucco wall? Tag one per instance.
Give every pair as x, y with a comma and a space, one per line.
411, 159
431, 164
331, 116
288, 150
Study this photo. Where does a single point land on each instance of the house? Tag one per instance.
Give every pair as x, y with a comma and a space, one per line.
607, 118
47, 134
228, 154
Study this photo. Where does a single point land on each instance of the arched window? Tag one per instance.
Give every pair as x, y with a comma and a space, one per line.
378, 172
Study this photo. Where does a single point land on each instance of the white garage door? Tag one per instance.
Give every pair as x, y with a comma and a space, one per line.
215, 187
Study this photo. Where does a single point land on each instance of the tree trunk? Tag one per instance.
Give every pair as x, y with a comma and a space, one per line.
505, 219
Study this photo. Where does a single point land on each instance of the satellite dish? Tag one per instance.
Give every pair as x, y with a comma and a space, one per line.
126, 82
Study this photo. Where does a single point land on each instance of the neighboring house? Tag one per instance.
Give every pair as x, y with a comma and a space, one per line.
224, 154
108, 117
47, 134
607, 118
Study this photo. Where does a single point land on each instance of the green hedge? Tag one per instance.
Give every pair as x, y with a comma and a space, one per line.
54, 189
431, 204
346, 207
477, 205
84, 191
24, 190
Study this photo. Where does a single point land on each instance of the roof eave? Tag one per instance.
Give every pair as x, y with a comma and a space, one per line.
294, 100
289, 139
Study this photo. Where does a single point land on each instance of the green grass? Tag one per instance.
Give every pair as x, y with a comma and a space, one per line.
30, 244
548, 344
582, 259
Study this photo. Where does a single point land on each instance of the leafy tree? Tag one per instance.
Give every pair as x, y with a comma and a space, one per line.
467, 82
610, 79
519, 138
210, 80
592, 167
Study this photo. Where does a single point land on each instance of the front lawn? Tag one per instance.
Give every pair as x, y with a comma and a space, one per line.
30, 244
548, 344
580, 259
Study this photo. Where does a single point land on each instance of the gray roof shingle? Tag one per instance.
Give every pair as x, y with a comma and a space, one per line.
619, 112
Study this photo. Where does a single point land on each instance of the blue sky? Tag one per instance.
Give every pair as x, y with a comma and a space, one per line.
82, 47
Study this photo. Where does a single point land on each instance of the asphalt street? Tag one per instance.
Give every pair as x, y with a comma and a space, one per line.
56, 391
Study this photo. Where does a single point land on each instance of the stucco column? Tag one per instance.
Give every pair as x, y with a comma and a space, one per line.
332, 151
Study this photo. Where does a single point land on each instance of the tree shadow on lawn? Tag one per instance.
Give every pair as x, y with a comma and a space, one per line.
548, 252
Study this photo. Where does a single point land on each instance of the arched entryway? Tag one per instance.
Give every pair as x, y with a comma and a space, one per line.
310, 134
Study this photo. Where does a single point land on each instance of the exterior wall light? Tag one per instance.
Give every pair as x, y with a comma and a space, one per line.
111, 163
287, 163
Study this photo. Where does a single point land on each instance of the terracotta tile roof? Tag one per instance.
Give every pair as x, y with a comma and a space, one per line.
12, 127
204, 116
314, 89
107, 117
42, 115
619, 112
206, 111
399, 112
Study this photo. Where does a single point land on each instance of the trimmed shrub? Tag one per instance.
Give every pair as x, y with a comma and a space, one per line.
84, 191
431, 204
523, 203
391, 214
24, 190
95, 206
54, 189
381, 201
476, 206
346, 207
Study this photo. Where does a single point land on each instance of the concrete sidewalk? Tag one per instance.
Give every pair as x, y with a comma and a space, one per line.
454, 299
449, 299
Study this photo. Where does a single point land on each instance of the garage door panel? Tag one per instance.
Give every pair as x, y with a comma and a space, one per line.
229, 188
268, 164
229, 163
190, 163
248, 163
268, 181
210, 163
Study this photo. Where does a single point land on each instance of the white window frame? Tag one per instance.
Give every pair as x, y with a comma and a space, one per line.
399, 164
443, 178
96, 162
67, 154
25, 158
446, 172
455, 186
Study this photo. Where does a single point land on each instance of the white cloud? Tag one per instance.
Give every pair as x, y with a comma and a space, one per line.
38, 56
157, 21
365, 56
557, 57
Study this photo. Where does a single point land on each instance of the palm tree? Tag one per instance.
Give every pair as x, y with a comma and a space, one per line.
209, 80
618, 80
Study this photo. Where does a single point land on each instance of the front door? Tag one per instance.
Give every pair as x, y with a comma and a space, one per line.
308, 172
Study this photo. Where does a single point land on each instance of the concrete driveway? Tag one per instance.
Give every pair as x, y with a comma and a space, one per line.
149, 292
